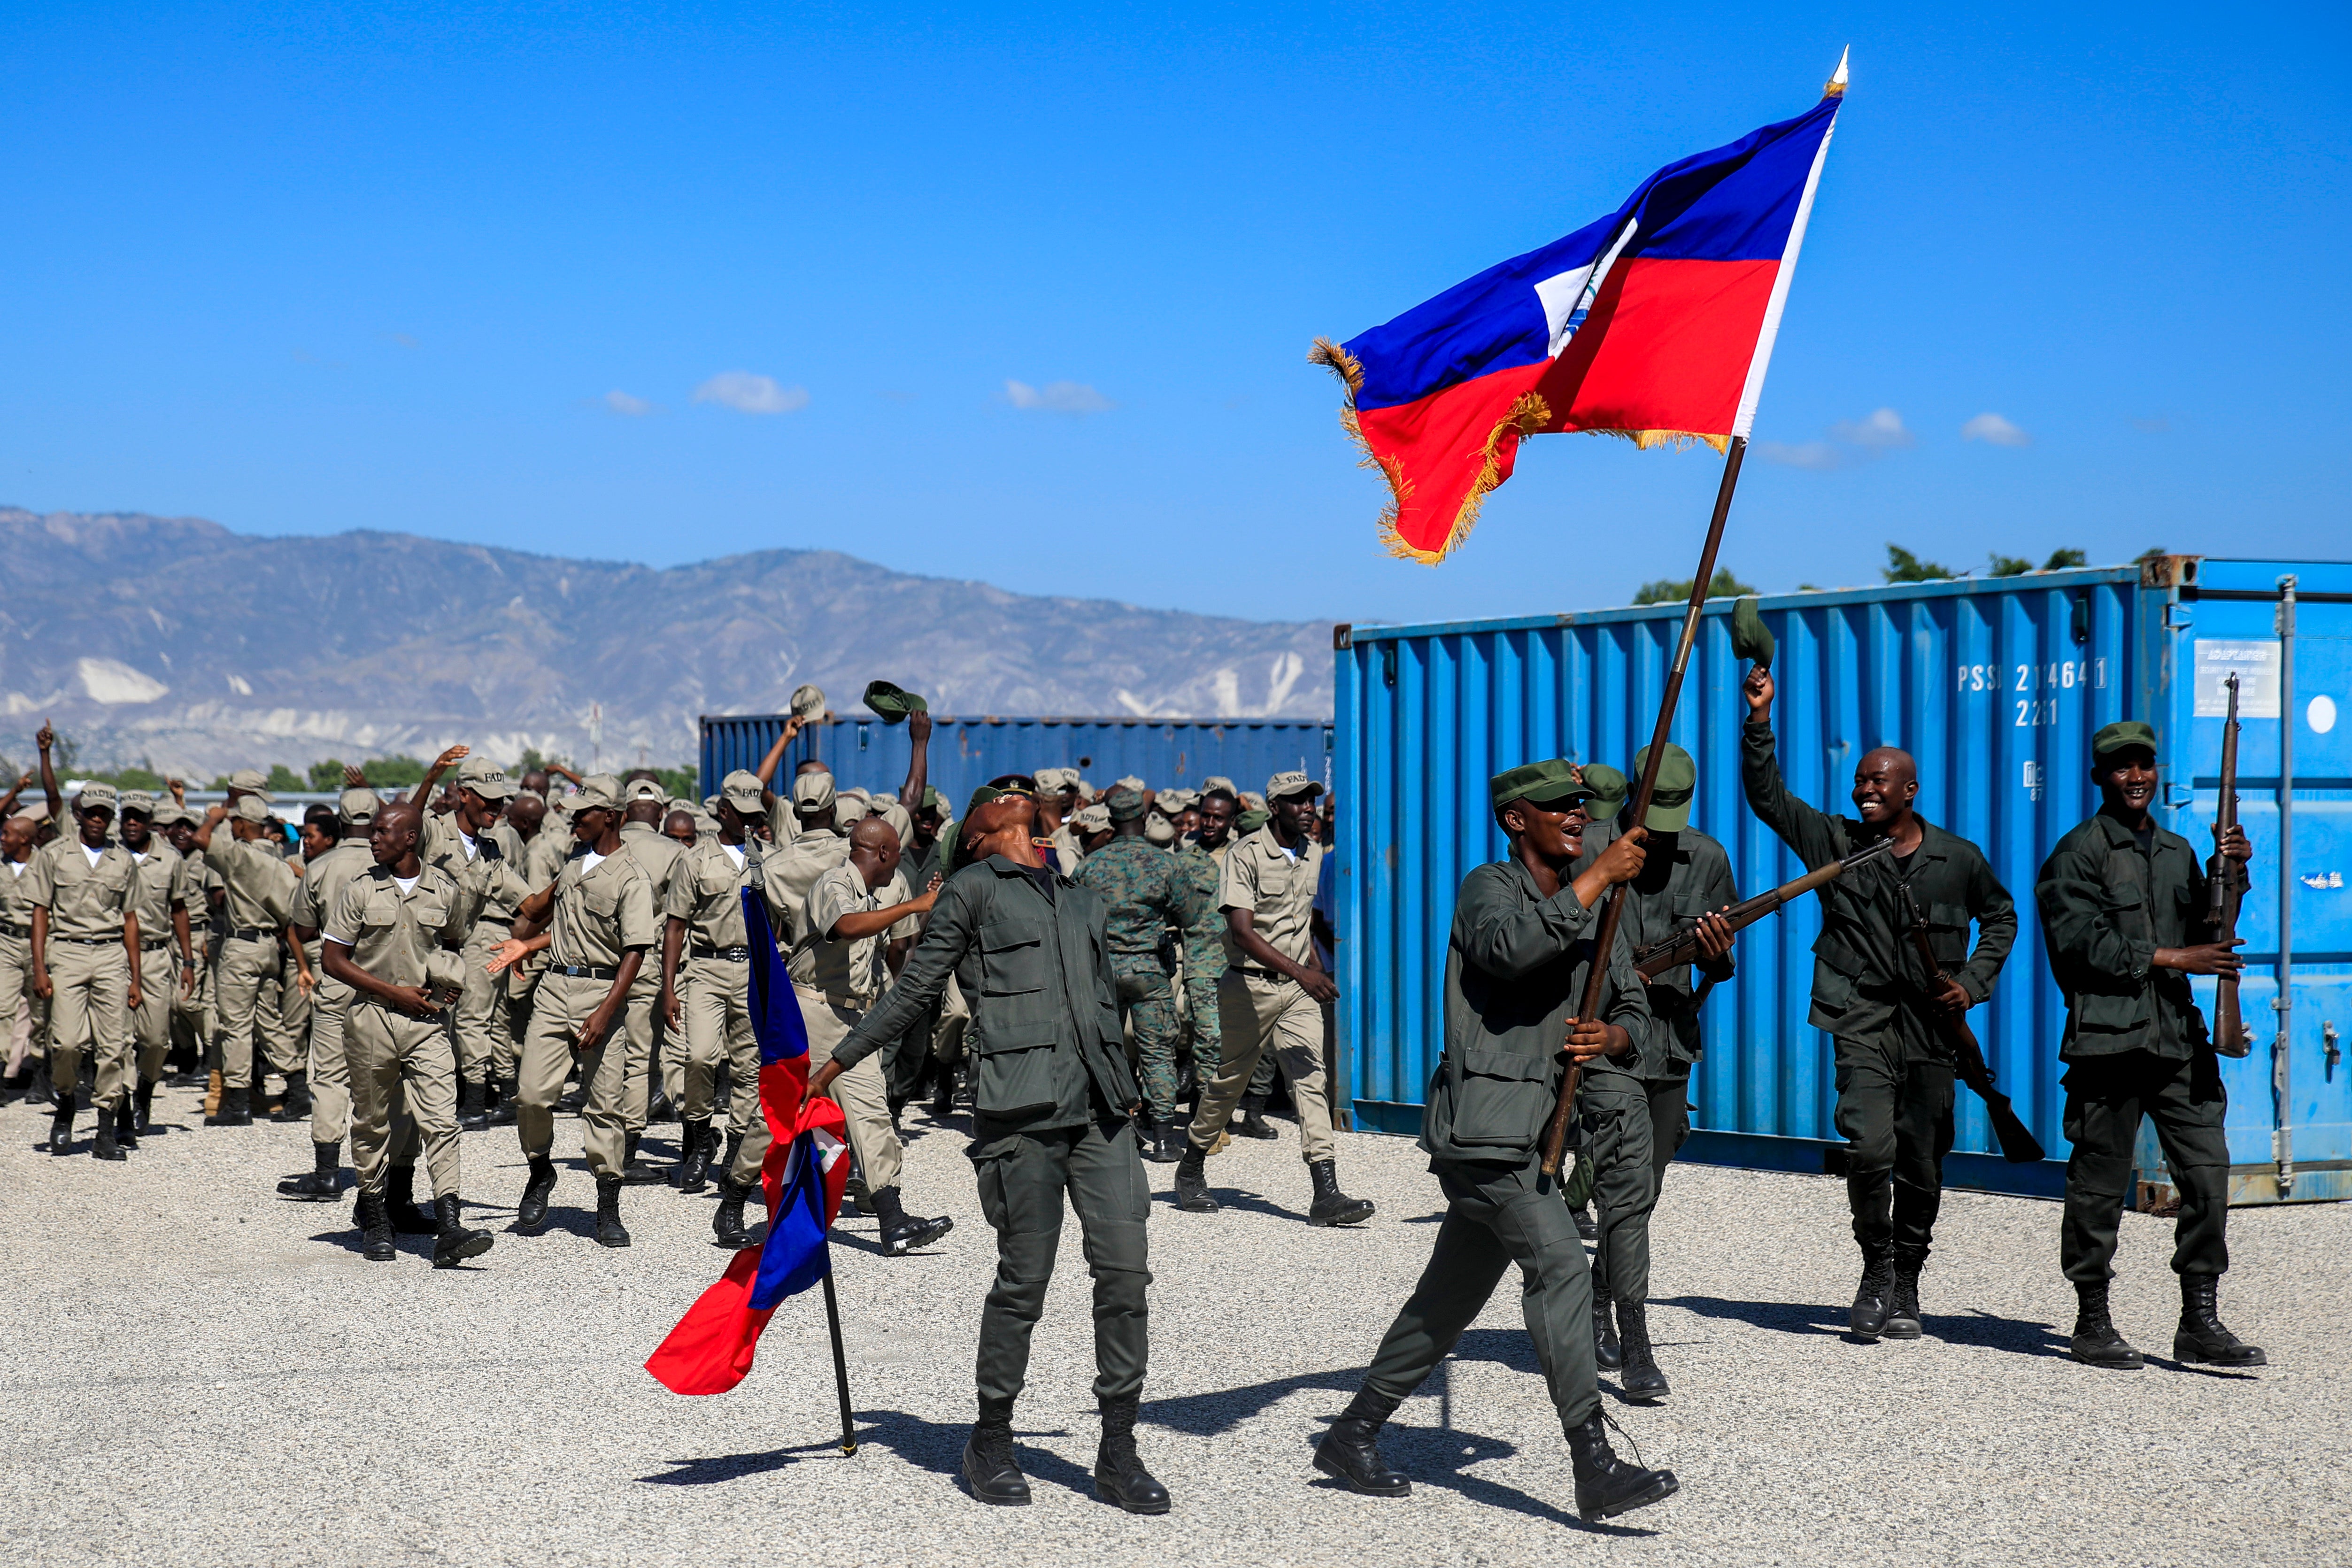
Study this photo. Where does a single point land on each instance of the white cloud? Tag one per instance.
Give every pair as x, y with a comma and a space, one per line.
1058, 397
1881, 431
620, 402
1993, 429
110, 682
748, 393
1819, 455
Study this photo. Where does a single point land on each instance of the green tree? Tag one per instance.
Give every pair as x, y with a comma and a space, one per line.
1665, 591
2059, 560
677, 781
2010, 565
531, 760
328, 775
1902, 566
283, 780
398, 771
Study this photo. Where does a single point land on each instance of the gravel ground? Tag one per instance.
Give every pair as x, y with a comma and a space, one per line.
199, 1372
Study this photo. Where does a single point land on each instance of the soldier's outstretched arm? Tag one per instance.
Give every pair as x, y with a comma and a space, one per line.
1810, 833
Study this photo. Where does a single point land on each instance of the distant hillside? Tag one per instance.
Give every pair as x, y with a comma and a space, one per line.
175, 641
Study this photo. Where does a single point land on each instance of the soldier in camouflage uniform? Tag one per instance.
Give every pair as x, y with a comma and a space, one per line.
1200, 870
1133, 878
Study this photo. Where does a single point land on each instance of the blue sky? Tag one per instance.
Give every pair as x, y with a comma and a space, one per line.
1024, 293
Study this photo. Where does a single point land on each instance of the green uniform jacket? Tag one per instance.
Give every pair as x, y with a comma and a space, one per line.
2105, 909
1666, 901
1866, 971
1044, 1000
1136, 880
1515, 971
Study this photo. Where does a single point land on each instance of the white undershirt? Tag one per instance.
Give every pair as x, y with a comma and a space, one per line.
466, 844
95, 855
407, 885
734, 853
590, 862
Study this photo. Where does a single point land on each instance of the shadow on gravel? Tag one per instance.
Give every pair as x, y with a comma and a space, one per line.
721, 1468
1246, 1203
938, 1447
1985, 1332
1210, 1415
1786, 1316
2193, 1369
1436, 1457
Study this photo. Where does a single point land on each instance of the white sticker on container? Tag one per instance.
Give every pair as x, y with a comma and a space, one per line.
2256, 666
2321, 714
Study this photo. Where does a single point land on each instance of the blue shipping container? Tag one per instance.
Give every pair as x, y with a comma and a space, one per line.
966, 753
1996, 688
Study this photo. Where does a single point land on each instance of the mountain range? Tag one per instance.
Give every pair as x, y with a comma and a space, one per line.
176, 643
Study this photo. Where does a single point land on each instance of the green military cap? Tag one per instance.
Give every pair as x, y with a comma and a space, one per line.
1609, 789
1751, 639
1125, 805
891, 704
980, 797
1670, 798
2124, 736
1548, 783
934, 801
1250, 822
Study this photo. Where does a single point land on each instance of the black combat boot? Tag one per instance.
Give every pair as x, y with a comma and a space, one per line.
530, 1213
692, 1172
989, 1471
375, 1230
1607, 1353
1641, 1380
1157, 1141
660, 1108
726, 1159
236, 1109
143, 1105
727, 1223
502, 1103
2201, 1336
61, 1128
400, 1204
126, 1125
2095, 1341
1606, 1486
297, 1104
453, 1243
1873, 1296
903, 1232
943, 1093
473, 1106
1192, 1181
1903, 1305
1332, 1206
1582, 1215
104, 1147
1350, 1451
323, 1182
1252, 1123
1119, 1474
635, 1172
610, 1231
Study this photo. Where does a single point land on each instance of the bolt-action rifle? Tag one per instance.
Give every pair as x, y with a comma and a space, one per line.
1664, 954
2225, 885
2018, 1144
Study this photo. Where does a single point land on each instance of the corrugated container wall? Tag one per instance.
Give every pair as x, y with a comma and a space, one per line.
966, 753
1996, 688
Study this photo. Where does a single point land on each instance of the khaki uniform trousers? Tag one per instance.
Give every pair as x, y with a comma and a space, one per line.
191, 1015
248, 968
289, 1042
395, 1059
955, 1021
560, 1007
330, 1073
150, 1026
863, 1096
717, 1010
89, 1011
644, 1032
1256, 1018
486, 1043
28, 1014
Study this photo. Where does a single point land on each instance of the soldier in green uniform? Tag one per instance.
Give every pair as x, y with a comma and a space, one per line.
324, 878
2124, 907
1873, 994
394, 938
1052, 1099
85, 940
1136, 882
1638, 1112
166, 952
1515, 968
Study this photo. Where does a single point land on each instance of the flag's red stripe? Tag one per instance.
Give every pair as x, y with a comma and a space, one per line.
710, 1348
1441, 439
1666, 348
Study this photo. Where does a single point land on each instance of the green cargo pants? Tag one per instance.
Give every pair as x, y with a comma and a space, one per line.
1616, 1109
1148, 1002
2105, 1098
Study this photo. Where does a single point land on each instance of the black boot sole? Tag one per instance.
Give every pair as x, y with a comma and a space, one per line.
1653, 1395
2186, 1349
1901, 1328
1340, 1472
2137, 1363
476, 1243
1665, 1486
1355, 1214
1109, 1493
921, 1234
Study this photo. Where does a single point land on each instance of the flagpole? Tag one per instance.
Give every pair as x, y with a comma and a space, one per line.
1556, 1133
840, 1367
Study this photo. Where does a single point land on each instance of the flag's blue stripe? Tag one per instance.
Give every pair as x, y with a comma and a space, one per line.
775, 1011
795, 1257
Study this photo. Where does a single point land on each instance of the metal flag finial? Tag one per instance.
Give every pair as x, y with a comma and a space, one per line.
1835, 87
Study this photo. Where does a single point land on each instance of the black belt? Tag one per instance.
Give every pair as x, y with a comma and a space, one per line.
16, 930
585, 971
91, 940
252, 933
153, 946
494, 920
704, 949
1258, 974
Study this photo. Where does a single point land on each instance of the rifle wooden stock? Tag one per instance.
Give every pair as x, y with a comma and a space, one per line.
1661, 956
1555, 1140
2230, 1036
2018, 1146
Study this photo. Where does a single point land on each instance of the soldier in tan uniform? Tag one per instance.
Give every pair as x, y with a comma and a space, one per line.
644, 810
599, 915
324, 877
705, 977
166, 952
85, 937
1271, 998
260, 895
22, 1010
464, 843
192, 1030
394, 938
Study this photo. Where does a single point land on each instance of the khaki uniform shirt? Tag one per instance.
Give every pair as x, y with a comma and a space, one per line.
16, 909
706, 892
83, 899
601, 912
323, 880
1278, 889
480, 864
394, 935
658, 857
260, 889
790, 870
850, 969
549, 852
163, 886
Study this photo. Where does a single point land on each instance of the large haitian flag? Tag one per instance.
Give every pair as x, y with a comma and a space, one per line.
806, 1167
1654, 323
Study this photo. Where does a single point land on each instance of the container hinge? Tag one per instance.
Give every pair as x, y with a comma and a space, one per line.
2178, 616
2179, 795
2328, 1049
1341, 635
